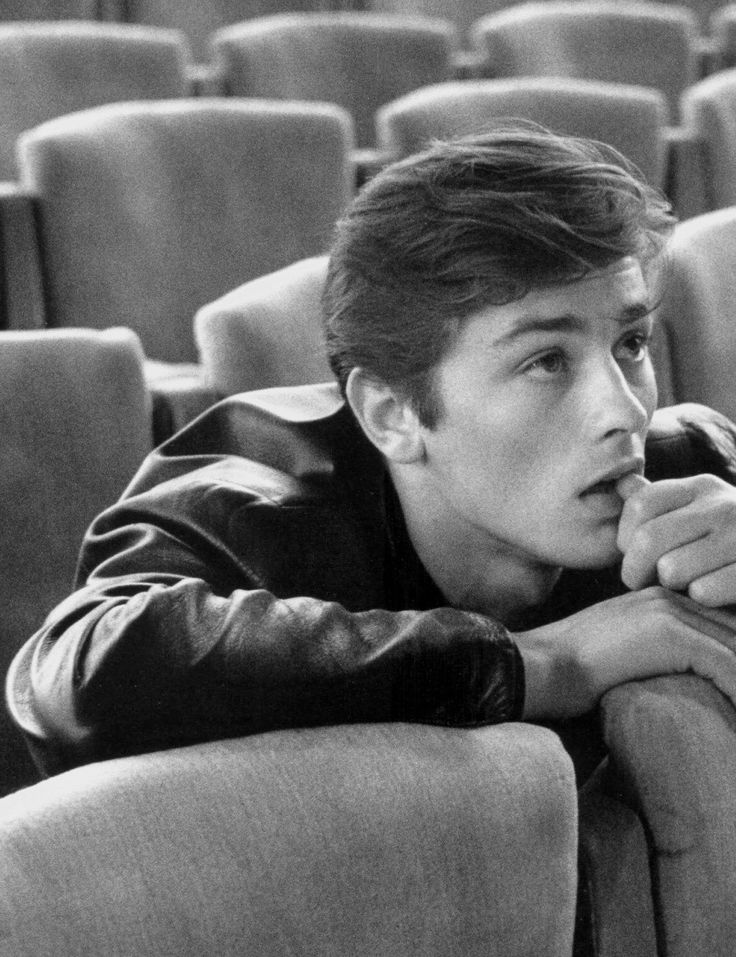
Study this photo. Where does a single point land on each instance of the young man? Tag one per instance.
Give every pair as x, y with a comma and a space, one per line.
467, 536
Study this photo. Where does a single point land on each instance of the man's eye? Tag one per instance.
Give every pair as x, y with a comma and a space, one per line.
551, 363
635, 346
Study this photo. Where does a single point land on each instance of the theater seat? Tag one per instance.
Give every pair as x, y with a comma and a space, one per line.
198, 19
74, 426
357, 60
632, 119
50, 9
267, 332
709, 110
355, 840
635, 42
48, 69
148, 210
697, 310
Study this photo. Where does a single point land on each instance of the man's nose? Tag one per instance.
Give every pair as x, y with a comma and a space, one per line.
613, 405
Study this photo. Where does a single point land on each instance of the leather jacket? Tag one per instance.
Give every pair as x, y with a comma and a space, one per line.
257, 574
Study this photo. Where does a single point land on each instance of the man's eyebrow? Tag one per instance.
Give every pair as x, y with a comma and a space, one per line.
567, 322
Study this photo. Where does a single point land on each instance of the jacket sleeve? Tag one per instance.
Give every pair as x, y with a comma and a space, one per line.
179, 636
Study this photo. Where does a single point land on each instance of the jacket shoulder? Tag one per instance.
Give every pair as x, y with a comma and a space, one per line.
690, 439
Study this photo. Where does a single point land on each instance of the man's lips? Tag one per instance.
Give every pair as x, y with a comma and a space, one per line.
630, 483
609, 481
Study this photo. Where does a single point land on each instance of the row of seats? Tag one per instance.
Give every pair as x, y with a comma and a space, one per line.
137, 214
198, 20
372, 66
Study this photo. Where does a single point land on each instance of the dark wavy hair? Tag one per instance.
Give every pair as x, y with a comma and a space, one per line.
468, 223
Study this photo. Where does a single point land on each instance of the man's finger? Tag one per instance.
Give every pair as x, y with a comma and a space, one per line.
630, 484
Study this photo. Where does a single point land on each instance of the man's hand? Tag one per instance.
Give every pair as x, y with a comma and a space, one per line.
569, 664
680, 533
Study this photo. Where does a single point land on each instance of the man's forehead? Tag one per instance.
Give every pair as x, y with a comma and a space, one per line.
619, 293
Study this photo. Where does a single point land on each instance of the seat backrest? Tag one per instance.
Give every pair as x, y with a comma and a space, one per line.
358, 60
49, 69
462, 13
629, 118
74, 426
722, 30
697, 310
709, 109
267, 332
639, 43
199, 19
49, 9
148, 211
392, 839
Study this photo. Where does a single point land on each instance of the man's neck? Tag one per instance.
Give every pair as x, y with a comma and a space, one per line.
473, 570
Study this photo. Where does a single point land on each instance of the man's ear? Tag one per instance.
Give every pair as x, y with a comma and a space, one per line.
386, 417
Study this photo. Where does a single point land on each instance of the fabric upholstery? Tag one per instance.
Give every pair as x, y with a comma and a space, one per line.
198, 20
630, 118
49, 9
722, 29
359, 61
74, 426
49, 69
709, 108
267, 332
155, 209
463, 13
596, 40
379, 839
615, 889
673, 751
697, 312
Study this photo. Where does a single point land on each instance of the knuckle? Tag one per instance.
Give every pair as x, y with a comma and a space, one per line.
669, 572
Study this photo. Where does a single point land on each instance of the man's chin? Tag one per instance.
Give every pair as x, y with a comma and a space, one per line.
600, 553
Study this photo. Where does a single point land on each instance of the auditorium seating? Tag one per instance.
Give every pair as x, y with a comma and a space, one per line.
51, 9
147, 211
398, 840
633, 119
74, 426
358, 61
267, 332
640, 43
709, 110
50, 69
697, 309
198, 19
723, 32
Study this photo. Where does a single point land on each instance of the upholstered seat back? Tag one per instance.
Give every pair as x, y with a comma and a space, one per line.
352, 841
359, 61
74, 426
709, 109
641, 43
148, 211
697, 310
267, 332
630, 118
49, 69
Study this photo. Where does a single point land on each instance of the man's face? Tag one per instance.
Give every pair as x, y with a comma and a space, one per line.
546, 401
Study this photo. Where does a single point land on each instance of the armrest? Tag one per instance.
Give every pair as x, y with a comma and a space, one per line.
362, 840
21, 273
672, 744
